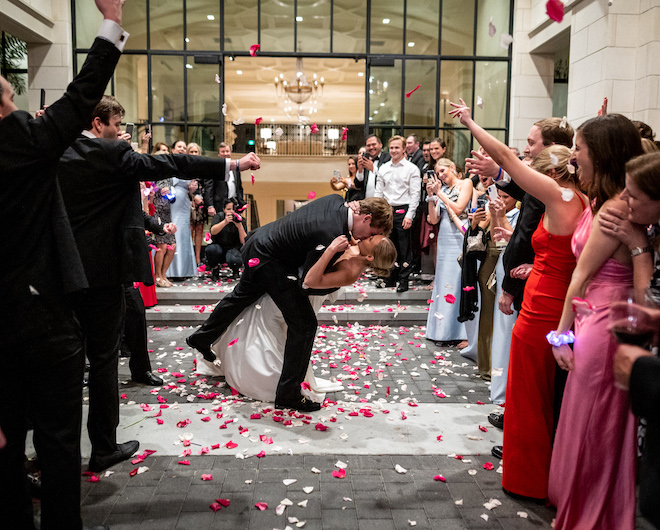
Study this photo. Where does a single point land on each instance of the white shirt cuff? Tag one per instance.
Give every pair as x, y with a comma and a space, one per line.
114, 33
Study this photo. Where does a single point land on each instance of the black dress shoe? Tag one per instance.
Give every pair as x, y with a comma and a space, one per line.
496, 419
148, 378
403, 286
301, 405
124, 452
497, 452
205, 350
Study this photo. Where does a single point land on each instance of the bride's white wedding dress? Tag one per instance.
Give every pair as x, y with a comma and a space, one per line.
251, 353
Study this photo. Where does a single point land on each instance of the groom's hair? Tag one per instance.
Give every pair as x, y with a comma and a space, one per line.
381, 213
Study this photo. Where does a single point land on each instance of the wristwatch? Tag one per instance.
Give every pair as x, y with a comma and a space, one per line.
639, 250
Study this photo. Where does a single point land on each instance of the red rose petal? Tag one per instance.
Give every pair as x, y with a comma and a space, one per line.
555, 10
215, 506
311, 195
261, 506
258, 120
408, 94
320, 427
253, 262
254, 49
184, 462
489, 466
314, 128
261, 454
482, 428
207, 476
232, 342
344, 134
231, 445
440, 478
224, 502
339, 473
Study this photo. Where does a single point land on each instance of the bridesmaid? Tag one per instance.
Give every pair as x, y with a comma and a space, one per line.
449, 197
592, 476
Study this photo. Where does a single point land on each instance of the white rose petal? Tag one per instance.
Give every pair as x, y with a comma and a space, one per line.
400, 469
308, 489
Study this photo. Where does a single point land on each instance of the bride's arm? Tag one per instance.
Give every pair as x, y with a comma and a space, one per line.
317, 278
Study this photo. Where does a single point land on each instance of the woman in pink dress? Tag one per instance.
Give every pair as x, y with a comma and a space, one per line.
592, 472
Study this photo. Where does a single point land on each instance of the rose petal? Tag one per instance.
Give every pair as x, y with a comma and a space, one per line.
253, 262
320, 427
201, 268
344, 134
258, 120
450, 298
505, 40
261, 454
254, 49
555, 10
261, 506
252, 175
408, 94
488, 466
491, 28
480, 102
215, 506
311, 195
184, 462
223, 502
482, 428
440, 478
339, 473
232, 342
305, 385
400, 469
314, 128
207, 476
231, 445
468, 288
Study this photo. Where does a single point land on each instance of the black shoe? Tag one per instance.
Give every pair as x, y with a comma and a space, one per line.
148, 378
497, 452
518, 497
301, 405
496, 419
403, 286
124, 452
215, 274
204, 350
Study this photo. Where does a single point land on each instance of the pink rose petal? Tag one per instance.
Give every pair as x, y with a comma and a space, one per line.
555, 10
215, 506
232, 342
258, 120
440, 478
254, 49
400, 211
320, 427
450, 298
311, 195
207, 476
488, 466
253, 262
344, 134
207, 237
314, 128
184, 462
339, 473
252, 175
408, 94
261, 454
261, 506
223, 502
201, 268
231, 445
305, 385
468, 288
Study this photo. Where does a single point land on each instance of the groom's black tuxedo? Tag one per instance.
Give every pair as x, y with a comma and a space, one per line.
39, 268
272, 256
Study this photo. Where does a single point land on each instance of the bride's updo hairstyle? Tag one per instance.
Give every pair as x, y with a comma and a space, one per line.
384, 257
556, 157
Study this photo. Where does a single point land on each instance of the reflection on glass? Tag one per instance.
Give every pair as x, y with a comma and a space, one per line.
313, 26
422, 21
207, 136
241, 24
277, 26
420, 106
386, 26
458, 146
203, 25
455, 83
203, 92
168, 134
490, 86
423, 135
134, 21
88, 20
131, 87
457, 27
385, 94
166, 27
167, 88
498, 10
384, 134
350, 26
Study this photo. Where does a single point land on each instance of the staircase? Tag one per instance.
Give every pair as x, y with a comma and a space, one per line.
188, 303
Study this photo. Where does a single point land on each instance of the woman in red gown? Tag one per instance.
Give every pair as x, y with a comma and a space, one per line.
528, 430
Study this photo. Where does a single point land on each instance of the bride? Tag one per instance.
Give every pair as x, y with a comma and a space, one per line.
251, 351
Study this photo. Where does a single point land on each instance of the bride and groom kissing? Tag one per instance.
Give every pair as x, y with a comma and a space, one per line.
315, 240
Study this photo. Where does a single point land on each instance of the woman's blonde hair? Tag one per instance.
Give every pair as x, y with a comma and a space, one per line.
446, 163
384, 257
555, 157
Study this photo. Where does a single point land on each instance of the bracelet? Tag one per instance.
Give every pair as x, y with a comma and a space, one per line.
499, 174
639, 250
555, 339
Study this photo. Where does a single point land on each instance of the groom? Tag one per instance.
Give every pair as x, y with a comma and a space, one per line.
272, 256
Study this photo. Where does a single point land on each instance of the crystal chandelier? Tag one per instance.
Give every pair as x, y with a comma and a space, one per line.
299, 91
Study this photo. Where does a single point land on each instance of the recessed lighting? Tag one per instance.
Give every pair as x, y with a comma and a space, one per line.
385, 84
386, 21
299, 19
210, 17
360, 74
370, 118
411, 44
187, 39
382, 104
371, 91
239, 72
189, 66
272, 119
329, 121
375, 112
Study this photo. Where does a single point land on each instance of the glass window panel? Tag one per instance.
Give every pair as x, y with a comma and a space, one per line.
423, 135
457, 27
80, 60
166, 24
459, 144
349, 26
499, 11
203, 25
277, 26
241, 24
386, 26
422, 19
132, 88
203, 92
22, 99
420, 107
490, 85
207, 136
88, 20
455, 83
385, 94
134, 21
167, 88
168, 134
384, 133
313, 26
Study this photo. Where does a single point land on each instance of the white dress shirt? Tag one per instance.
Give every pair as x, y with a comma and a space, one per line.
400, 184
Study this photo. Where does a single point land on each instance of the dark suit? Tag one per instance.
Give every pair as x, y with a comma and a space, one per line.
417, 158
39, 271
361, 185
645, 399
100, 185
216, 191
281, 247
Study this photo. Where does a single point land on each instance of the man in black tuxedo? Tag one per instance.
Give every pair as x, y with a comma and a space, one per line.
367, 173
39, 272
216, 191
413, 153
272, 256
99, 176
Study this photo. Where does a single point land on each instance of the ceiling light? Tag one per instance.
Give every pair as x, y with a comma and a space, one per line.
411, 44
375, 112
187, 39
329, 121
382, 104
210, 17
360, 74
386, 21
189, 66
239, 72
299, 19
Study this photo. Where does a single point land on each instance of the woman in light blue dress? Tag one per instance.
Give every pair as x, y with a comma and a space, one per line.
451, 196
184, 264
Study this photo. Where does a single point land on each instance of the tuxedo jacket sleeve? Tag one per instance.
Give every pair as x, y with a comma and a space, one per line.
38, 246
519, 249
152, 224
